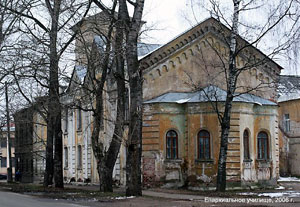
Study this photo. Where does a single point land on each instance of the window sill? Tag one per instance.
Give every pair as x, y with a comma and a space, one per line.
264, 160
247, 160
204, 160
173, 160
264, 163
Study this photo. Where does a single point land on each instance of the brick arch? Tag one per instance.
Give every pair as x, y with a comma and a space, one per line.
164, 68
158, 72
171, 64
178, 60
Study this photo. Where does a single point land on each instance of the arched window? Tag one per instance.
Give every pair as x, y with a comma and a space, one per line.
246, 145
172, 144
262, 146
203, 145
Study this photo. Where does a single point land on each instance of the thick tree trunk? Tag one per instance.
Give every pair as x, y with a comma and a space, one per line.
54, 108
134, 145
48, 175
112, 154
97, 145
106, 160
231, 86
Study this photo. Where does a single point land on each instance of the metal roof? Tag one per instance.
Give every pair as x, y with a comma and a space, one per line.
288, 88
210, 93
145, 48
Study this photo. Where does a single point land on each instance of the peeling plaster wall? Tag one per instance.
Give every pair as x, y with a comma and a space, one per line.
196, 59
191, 61
187, 120
290, 140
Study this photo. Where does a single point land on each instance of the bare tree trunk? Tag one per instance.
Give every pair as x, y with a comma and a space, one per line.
9, 168
231, 86
112, 154
97, 144
54, 107
134, 145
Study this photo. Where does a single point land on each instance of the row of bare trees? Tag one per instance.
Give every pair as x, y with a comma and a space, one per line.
39, 36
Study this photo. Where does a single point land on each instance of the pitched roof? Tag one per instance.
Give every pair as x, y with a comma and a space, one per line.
145, 48
208, 25
207, 94
288, 88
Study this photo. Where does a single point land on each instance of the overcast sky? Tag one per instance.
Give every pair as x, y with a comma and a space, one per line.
168, 18
164, 17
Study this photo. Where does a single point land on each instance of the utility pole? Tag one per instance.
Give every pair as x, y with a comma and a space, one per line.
9, 163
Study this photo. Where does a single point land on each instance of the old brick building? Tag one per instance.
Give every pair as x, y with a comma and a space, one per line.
184, 84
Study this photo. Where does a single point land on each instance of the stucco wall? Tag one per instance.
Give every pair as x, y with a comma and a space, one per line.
289, 140
187, 120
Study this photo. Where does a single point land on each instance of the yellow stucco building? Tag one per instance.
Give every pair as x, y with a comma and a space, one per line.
184, 85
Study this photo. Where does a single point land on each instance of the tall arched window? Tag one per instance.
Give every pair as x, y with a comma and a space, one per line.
262, 146
79, 157
246, 145
172, 144
203, 145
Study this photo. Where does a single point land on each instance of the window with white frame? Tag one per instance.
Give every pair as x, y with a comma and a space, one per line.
287, 125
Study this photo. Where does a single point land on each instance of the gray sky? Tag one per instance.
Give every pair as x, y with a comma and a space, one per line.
172, 17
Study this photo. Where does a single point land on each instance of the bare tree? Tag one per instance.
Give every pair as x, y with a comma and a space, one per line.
46, 32
128, 27
134, 142
105, 62
232, 73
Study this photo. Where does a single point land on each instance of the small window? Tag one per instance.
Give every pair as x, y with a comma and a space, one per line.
172, 145
66, 119
66, 157
3, 162
287, 125
3, 142
203, 145
263, 146
79, 157
79, 119
246, 145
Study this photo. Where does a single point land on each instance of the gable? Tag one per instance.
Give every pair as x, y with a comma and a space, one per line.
196, 59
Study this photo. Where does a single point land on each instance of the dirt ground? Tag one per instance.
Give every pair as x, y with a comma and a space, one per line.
89, 196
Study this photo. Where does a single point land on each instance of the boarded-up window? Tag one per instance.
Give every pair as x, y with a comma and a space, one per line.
246, 145
172, 144
263, 146
203, 145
